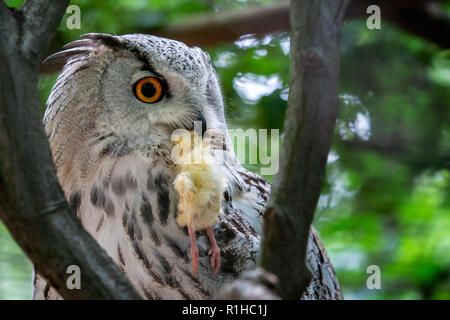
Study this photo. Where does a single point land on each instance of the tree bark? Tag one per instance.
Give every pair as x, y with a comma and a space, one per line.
32, 204
262, 285
309, 127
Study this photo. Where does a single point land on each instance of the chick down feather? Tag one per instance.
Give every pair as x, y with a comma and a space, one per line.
200, 183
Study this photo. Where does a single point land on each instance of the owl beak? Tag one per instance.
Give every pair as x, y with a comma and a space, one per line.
198, 123
201, 117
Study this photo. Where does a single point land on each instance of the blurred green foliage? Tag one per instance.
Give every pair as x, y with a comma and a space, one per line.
386, 198
15, 269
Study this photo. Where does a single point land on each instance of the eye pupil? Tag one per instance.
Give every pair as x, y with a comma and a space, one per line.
148, 89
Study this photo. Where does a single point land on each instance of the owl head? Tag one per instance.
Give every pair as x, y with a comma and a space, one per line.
130, 85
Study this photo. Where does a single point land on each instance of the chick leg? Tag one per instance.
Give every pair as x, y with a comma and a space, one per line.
214, 251
194, 249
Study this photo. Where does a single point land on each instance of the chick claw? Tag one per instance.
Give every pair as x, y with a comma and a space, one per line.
214, 252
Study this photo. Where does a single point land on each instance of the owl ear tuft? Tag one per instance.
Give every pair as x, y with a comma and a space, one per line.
79, 44
104, 38
88, 44
65, 55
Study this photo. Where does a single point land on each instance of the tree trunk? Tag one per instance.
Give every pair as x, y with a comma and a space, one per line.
309, 128
32, 204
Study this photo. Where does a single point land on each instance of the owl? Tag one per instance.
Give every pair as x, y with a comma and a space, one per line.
110, 119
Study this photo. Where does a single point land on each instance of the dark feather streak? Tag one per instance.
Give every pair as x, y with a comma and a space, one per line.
146, 211
118, 186
175, 248
97, 196
163, 199
109, 207
100, 223
75, 200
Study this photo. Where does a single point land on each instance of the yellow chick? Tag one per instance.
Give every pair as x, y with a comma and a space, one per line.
200, 184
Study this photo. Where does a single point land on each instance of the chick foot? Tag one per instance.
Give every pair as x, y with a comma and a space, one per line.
214, 252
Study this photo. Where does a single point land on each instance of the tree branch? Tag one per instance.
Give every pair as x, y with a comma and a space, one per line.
42, 18
309, 126
8, 29
5, 15
262, 285
32, 204
227, 26
213, 29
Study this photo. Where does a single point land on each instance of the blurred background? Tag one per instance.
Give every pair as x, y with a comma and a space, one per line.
386, 198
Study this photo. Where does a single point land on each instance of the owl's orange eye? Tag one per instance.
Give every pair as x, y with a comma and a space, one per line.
149, 90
